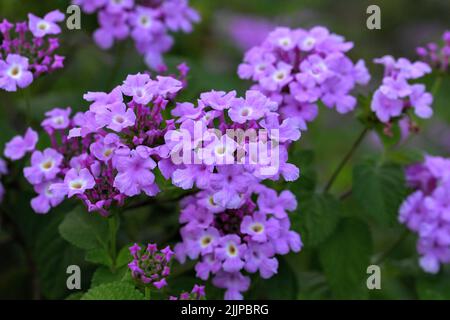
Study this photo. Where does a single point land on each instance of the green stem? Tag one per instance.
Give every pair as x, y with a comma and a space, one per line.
436, 85
112, 223
345, 159
392, 248
148, 293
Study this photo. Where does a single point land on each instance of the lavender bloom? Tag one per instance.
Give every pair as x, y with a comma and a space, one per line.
298, 68
41, 27
426, 211
396, 95
228, 242
19, 146
44, 166
106, 154
436, 56
147, 22
26, 53
14, 73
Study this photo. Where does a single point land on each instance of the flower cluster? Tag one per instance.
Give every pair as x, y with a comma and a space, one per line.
150, 266
27, 51
197, 293
437, 57
298, 68
230, 241
3, 171
226, 145
427, 211
106, 154
396, 94
147, 22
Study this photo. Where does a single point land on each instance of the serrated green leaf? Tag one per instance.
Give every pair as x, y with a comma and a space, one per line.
117, 290
99, 256
105, 275
379, 189
318, 218
84, 230
345, 257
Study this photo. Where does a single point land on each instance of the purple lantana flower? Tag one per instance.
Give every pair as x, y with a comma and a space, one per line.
18, 146
44, 166
41, 27
14, 72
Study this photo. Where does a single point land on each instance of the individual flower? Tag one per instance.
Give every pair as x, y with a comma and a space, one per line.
44, 166
299, 68
18, 146
397, 95
427, 211
148, 23
41, 27
14, 73
75, 183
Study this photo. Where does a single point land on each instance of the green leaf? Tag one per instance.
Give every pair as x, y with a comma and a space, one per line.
105, 275
345, 257
379, 190
434, 287
124, 257
99, 256
318, 218
262, 289
84, 230
117, 290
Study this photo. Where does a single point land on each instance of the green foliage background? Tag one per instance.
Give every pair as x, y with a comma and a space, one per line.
343, 232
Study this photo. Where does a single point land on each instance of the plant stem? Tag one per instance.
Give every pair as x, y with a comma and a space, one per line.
148, 293
345, 160
112, 223
436, 85
392, 248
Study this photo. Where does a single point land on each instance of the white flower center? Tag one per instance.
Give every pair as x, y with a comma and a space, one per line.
279, 75
58, 120
309, 42
261, 67
47, 165
119, 119
285, 42
257, 228
205, 241
145, 21
246, 112
232, 250
15, 71
43, 25
77, 184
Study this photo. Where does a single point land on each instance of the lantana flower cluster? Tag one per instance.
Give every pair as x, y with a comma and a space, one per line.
3, 171
299, 68
104, 155
427, 211
150, 266
228, 242
397, 94
147, 22
27, 50
436, 56
228, 144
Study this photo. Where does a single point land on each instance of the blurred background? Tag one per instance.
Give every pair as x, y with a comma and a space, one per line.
33, 256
